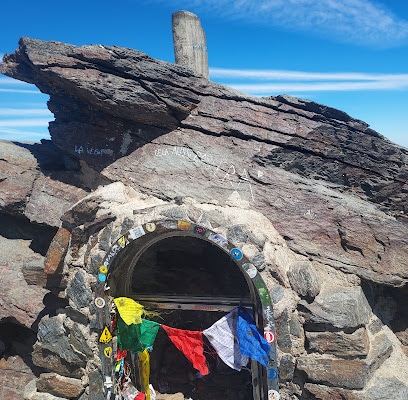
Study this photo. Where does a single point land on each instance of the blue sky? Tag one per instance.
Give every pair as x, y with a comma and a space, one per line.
349, 54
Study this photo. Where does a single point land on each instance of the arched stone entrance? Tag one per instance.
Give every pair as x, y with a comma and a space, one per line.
193, 275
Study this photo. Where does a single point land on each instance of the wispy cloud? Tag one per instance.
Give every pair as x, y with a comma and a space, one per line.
30, 122
9, 85
358, 21
22, 135
5, 81
19, 91
261, 82
25, 112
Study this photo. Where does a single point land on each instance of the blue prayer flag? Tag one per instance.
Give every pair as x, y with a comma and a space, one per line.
252, 344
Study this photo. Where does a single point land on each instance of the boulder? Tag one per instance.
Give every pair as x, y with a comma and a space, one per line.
344, 373
58, 385
304, 279
337, 307
144, 122
340, 344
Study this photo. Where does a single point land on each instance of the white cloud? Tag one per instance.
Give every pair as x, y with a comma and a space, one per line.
302, 75
6, 123
356, 21
22, 135
9, 85
6, 81
277, 81
24, 112
20, 91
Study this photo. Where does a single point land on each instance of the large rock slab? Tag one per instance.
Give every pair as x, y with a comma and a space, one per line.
58, 385
337, 307
159, 128
340, 344
33, 182
14, 375
380, 388
348, 374
19, 301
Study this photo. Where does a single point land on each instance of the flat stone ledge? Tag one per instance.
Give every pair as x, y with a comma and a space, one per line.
340, 344
348, 374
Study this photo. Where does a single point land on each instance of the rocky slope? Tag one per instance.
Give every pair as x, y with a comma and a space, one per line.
334, 191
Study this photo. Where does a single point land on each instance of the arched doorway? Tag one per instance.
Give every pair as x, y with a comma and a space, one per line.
193, 277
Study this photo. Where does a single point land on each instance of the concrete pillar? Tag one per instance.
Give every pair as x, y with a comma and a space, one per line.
190, 46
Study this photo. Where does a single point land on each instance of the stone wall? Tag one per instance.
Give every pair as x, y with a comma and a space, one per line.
315, 199
330, 342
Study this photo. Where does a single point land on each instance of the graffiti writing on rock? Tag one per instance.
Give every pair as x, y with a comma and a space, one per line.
225, 173
91, 151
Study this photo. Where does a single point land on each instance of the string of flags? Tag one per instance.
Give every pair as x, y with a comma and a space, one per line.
234, 337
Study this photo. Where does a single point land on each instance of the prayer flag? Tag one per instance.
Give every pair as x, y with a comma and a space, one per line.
251, 342
130, 311
145, 372
191, 344
137, 337
223, 337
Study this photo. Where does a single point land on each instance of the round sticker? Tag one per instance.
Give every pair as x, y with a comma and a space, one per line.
100, 302
183, 225
236, 254
101, 277
199, 229
269, 336
273, 395
250, 270
150, 227
103, 269
272, 374
107, 351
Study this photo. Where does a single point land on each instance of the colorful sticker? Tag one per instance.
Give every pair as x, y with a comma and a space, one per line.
107, 351
199, 229
218, 239
273, 395
106, 336
123, 241
269, 336
150, 227
263, 293
101, 277
169, 224
272, 374
118, 365
103, 269
100, 302
183, 225
236, 254
250, 269
137, 232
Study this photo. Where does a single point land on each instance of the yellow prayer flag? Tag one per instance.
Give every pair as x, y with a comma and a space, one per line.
129, 310
145, 372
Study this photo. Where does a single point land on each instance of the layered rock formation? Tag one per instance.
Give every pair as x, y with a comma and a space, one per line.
315, 199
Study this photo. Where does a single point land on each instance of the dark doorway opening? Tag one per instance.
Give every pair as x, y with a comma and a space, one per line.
192, 283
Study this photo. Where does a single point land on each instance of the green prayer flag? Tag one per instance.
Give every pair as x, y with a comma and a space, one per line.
136, 337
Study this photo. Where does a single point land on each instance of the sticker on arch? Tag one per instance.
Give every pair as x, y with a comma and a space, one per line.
269, 336
137, 232
150, 226
273, 395
236, 254
218, 239
250, 269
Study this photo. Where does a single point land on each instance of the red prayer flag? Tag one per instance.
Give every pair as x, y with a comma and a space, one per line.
121, 354
191, 344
